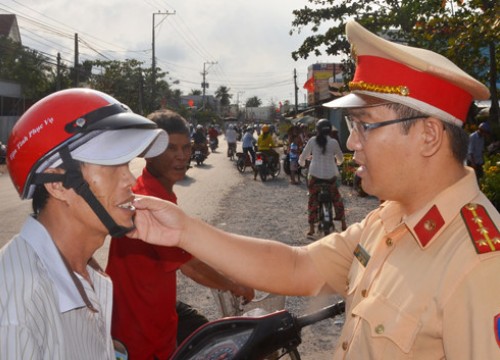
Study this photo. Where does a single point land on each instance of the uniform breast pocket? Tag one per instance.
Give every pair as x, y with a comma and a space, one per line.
387, 322
354, 278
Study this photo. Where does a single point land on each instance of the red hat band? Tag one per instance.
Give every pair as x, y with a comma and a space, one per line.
380, 75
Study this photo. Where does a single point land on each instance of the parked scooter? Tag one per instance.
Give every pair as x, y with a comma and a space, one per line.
239, 338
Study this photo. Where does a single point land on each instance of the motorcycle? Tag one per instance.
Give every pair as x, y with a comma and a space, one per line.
265, 167
198, 155
325, 211
259, 337
213, 144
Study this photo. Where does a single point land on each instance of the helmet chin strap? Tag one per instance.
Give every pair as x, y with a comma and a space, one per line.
73, 179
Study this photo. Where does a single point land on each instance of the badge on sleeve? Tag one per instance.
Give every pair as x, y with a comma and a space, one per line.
482, 229
496, 327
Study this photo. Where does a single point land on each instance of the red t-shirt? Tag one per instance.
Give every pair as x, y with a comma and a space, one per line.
144, 287
212, 133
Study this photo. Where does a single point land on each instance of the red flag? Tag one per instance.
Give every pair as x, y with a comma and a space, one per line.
190, 102
309, 84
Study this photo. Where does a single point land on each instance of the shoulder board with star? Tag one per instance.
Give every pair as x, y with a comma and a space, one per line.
482, 230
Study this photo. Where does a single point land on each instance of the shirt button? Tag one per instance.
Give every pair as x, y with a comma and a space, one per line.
388, 242
345, 345
364, 293
379, 329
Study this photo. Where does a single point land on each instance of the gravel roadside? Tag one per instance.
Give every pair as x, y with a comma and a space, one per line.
277, 210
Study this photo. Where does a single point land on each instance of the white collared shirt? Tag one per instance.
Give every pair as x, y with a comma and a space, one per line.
42, 315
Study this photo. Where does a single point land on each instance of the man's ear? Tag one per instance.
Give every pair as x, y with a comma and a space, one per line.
433, 136
56, 189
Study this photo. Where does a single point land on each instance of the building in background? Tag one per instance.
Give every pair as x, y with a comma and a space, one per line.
322, 79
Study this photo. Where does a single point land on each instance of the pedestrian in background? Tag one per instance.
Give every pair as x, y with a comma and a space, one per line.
475, 151
294, 164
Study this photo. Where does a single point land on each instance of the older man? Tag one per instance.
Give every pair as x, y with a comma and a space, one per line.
69, 153
420, 273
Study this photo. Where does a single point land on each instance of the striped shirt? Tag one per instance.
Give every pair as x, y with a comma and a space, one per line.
42, 315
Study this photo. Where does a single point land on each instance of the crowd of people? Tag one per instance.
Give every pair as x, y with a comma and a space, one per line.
418, 274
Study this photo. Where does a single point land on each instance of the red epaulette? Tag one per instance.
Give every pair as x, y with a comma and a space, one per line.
483, 232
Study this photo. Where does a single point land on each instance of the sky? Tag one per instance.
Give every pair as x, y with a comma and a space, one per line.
244, 45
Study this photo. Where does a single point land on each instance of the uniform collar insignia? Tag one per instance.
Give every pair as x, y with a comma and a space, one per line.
429, 225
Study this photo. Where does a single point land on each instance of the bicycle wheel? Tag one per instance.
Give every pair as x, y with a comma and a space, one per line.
275, 171
263, 173
240, 164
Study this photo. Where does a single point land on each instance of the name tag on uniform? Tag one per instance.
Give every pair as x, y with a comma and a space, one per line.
362, 255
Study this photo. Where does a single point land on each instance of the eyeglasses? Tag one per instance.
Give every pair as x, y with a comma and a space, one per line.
363, 128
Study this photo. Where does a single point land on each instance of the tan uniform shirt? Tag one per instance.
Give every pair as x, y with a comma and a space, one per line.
422, 287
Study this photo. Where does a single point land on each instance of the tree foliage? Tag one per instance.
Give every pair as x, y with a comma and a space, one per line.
254, 101
465, 31
222, 94
27, 67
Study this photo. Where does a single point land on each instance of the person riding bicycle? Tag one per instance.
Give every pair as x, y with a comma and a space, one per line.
326, 154
248, 144
265, 144
231, 138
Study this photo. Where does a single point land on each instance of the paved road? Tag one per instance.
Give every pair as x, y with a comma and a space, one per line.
200, 194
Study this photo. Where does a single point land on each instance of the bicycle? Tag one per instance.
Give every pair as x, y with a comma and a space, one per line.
243, 160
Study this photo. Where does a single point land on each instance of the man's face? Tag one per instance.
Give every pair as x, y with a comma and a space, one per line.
171, 166
386, 157
112, 186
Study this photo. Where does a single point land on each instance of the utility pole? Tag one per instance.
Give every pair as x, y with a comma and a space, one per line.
296, 91
204, 85
76, 65
58, 76
153, 62
238, 103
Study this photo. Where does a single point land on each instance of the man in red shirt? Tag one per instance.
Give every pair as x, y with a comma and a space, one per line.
144, 310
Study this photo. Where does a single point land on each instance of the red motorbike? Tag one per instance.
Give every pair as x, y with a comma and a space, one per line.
265, 337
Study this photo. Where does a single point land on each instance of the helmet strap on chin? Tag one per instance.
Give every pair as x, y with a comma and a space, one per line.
73, 179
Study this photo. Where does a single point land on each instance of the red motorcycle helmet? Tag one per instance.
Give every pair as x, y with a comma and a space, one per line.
66, 118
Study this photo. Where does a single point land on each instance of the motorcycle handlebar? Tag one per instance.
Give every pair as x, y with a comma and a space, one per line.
325, 313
